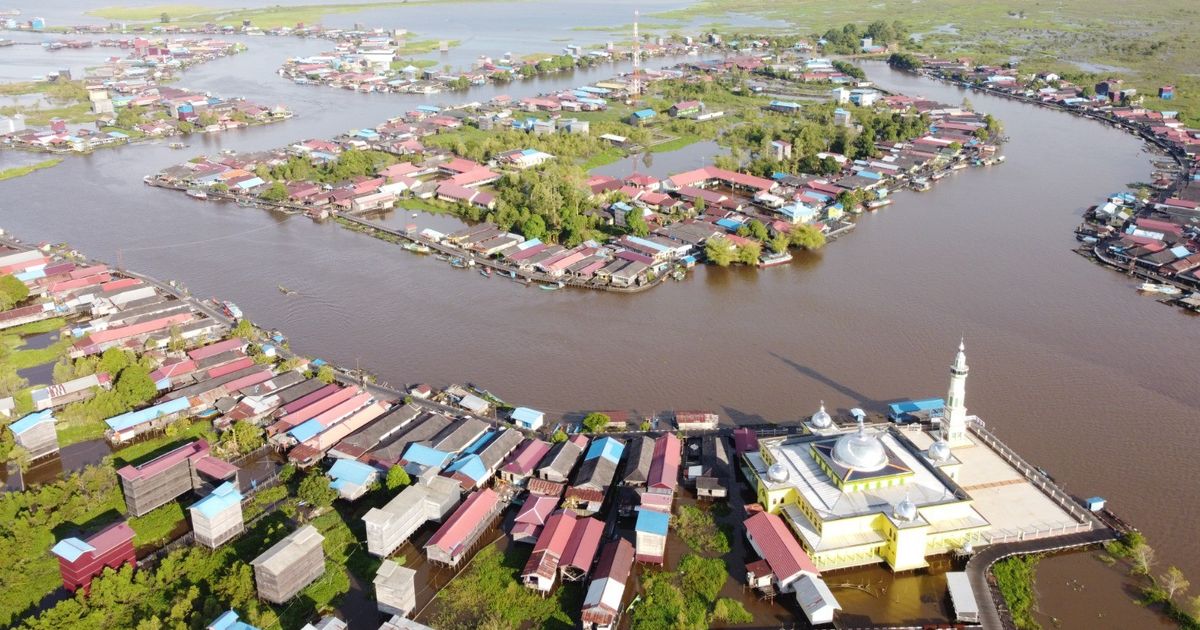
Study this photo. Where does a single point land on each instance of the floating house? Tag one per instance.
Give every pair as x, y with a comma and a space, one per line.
595, 475
528, 419
393, 524
351, 478
651, 530
81, 560
217, 518
395, 589
36, 433
602, 602
189, 467
459, 534
290, 565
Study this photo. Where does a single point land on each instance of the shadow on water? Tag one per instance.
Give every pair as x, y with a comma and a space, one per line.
841, 388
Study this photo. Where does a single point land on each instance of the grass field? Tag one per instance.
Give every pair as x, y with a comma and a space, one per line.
20, 171
1147, 43
263, 17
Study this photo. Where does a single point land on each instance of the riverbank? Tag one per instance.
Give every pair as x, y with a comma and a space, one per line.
1144, 234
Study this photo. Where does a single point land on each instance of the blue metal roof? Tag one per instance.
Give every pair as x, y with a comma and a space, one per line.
352, 471
222, 498
479, 442
30, 421
421, 454
648, 243
644, 113
527, 416
729, 224
471, 466
134, 418
607, 448
306, 429
71, 548
899, 409
229, 621
652, 522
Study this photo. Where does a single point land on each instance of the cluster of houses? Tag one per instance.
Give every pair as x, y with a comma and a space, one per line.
1158, 237
136, 83
374, 62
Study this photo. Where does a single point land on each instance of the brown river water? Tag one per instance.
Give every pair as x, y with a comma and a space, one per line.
1069, 364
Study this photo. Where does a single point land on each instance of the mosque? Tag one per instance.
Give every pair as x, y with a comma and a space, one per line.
870, 494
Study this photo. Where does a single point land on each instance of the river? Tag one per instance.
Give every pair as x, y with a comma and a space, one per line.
1070, 366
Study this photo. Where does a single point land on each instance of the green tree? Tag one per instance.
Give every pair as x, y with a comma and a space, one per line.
397, 478
779, 243
275, 193
596, 422
558, 436
720, 251
314, 489
758, 231
748, 254
164, 17
636, 223
534, 227
247, 435
326, 374
703, 576
731, 611
807, 236
245, 330
134, 385
12, 292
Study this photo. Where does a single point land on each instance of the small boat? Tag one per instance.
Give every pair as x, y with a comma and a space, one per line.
177, 145
551, 287
231, 310
878, 203
458, 263
486, 272
938, 175
286, 291
958, 167
443, 257
197, 194
1164, 289
772, 260
921, 184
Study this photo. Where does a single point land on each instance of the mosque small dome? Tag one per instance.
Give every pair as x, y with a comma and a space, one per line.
777, 473
860, 450
905, 511
822, 419
939, 451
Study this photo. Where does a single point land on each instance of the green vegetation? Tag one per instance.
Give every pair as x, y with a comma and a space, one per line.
676, 144
420, 46
685, 599
489, 594
350, 163
1163, 591
12, 293
315, 491
21, 171
558, 436
1016, 578
155, 528
132, 387
267, 17
68, 100
1154, 44
33, 520
696, 527
596, 422
397, 478
731, 611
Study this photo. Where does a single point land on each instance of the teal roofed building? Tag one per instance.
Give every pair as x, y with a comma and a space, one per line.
217, 518
527, 418
229, 620
351, 478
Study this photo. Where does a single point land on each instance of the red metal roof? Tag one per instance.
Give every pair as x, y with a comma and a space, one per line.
199, 448
454, 531
527, 457
536, 509
585, 541
664, 468
213, 350
778, 546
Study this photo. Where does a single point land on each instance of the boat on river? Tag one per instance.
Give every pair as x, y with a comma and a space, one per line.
195, 193
486, 272
458, 263
419, 248
1164, 289
551, 287
774, 260
878, 203
921, 184
286, 291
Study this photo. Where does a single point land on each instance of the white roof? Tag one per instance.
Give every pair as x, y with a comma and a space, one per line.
606, 591
961, 593
815, 599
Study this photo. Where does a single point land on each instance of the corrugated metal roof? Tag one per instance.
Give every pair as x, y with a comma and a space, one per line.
30, 421
223, 497
652, 522
352, 471
134, 418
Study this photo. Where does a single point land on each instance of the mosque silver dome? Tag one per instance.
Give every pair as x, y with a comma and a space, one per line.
939, 451
821, 419
860, 450
905, 511
777, 473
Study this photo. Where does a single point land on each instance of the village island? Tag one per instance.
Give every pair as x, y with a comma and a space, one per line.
170, 463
